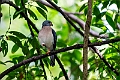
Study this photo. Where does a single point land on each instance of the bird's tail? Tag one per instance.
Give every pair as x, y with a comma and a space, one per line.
52, 60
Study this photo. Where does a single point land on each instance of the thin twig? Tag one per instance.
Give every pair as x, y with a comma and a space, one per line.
62, 68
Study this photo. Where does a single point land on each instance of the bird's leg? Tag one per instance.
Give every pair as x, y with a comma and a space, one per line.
48, 51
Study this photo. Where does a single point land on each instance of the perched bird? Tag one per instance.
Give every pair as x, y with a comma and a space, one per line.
47, 37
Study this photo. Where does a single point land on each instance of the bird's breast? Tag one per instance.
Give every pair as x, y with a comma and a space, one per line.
46, 37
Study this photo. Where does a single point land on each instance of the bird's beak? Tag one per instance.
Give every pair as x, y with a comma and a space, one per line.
51, 24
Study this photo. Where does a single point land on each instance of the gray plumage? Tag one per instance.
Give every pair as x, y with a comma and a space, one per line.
47, 37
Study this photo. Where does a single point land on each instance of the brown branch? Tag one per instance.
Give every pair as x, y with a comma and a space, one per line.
86, 38
77, 46
62, 68
34, 27
78, 30
80, 22
97, 51
18, 9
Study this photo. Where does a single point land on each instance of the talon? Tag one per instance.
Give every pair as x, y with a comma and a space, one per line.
48, 52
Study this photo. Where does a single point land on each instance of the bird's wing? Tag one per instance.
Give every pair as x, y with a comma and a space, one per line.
55, 39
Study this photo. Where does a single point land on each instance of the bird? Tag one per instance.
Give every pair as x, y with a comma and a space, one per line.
47, 37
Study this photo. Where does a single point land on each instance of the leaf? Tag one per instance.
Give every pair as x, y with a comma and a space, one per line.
34, 42
21, 58
17, 13
110, 21
82, 7
25, 49
85, 11
41, 5
77, 55
105, 3
4, 46
18, 34
96, 11
1, 37
15, 60
56, 78
42, 12
32, 14
111, 35
17, 2
2, 63
15, 40
61, 43
118, 77
45, 60
60, 74
14, 48
56, 1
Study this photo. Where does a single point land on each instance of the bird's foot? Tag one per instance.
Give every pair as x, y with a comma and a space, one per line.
48, 52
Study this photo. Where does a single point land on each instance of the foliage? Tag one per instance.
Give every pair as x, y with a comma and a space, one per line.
17, 43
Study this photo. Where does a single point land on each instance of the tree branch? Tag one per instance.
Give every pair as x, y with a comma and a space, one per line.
78, 30
80, 22
18, 9
77, 46
97, 51
86, 38
34, 27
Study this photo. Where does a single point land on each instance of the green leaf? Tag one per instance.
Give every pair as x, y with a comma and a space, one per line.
118, 77
34, 42
82, 7
77, 55
2, 63
15, 40
14, 48
32, 14
45, 60
1, 37
96, 11
85, 11
111, 35
17, 13
56, 78
56, 1
18, 34
110, 21
25, 49
41, 5
21, 58
116, 18
60, 74
42, 12
4, 46
15, 60
105, 3
61, 43
104, 30
17, 2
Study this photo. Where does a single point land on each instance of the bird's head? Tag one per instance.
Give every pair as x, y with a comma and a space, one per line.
47, 23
